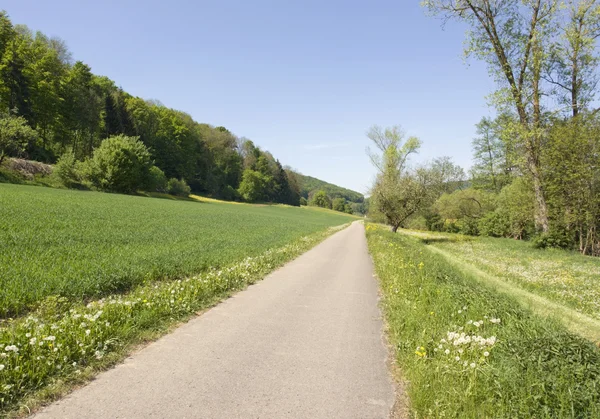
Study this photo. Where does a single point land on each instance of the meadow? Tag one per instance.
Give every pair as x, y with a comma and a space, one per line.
467, 351
565, 277
84, 245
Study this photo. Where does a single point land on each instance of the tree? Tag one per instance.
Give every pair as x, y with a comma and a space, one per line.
120, 164
514, 38
396, 194
253, 186
15, 135
320, 199
339, 204
493, 167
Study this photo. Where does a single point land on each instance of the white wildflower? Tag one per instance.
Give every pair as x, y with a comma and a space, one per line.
32, 341
473, 365
486, 353
447, 351
50, 338
13, 348
87, 332
2, 367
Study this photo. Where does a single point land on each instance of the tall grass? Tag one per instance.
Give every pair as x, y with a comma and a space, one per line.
83, 245
468, 352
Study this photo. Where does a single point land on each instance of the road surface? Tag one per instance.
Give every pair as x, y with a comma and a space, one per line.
306, 342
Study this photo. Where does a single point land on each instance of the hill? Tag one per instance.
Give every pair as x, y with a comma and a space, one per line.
309, 184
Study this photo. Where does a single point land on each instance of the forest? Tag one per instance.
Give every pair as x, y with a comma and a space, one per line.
535, 172
100, 137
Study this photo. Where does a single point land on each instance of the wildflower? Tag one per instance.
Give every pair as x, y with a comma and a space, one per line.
74, 364
495, 321
421, 265
447, 351
473, 365
457, 358
1, 367
32, 341
3, 355
50, 338
87, 332
486, 353
27, 335
13, 348
459, 311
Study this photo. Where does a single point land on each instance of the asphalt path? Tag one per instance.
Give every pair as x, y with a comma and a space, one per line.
306, 342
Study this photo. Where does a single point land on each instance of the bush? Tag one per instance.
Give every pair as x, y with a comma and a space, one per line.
555, 239
156, 181
303, 201
178, 187
120, 164
494, 224
15, 136
66, 169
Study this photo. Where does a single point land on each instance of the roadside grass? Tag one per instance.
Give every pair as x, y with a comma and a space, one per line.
62, 342
470, 352
82, 245
563, 276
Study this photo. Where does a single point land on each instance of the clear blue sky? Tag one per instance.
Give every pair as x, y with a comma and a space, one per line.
302, 79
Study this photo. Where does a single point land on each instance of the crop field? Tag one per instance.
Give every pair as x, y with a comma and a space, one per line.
83, 245
466, 350
567, 278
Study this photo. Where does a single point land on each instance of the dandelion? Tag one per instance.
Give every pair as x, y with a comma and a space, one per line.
486, 353
50, 338
12, 348
447, 351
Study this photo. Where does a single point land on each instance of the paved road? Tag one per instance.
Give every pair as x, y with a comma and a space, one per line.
306, 342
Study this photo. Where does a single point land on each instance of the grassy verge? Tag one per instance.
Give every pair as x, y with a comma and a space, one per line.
62, 341
470, 352
83, 245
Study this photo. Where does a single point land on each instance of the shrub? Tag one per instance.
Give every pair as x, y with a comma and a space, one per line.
494, 224
178, 187
156, 181
120, 164
303, 201
67, 170
339, 204
555, 239
15, 136
320, 199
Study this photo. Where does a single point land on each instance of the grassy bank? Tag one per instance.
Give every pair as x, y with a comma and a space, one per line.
566, 277
63, 341
470, 352
83, 245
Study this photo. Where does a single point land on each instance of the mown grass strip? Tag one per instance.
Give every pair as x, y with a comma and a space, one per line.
468, 351
576, 322
63, 341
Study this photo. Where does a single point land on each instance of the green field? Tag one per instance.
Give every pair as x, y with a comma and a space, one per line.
469, 351
86, 244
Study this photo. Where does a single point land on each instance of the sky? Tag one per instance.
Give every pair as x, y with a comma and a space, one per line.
302, 79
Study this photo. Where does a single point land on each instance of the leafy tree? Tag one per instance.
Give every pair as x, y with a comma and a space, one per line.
397, 195
320, 199
303, 201
15, 135
120, 164
156, 181
339, 204
514, 39
253, 186
66, 169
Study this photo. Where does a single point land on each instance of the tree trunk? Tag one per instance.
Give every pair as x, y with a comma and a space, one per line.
394, 228
541, 209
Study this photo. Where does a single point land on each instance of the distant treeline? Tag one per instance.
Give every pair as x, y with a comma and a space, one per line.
52, 108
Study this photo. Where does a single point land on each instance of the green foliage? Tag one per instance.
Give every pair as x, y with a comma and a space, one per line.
253, 186
320, 199
494, 224
67, 169
15, 136
303, 201
338, 204
156, 181
88, 244
120, 164
527, 366
178, 187
555, 239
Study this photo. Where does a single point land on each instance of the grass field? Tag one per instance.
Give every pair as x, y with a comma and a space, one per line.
84, 245
567, 278
467, 351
